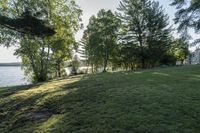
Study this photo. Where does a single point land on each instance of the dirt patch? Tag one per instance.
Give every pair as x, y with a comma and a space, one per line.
43, 113
30, 116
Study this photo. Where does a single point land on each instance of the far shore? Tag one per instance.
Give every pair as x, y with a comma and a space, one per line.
10, 64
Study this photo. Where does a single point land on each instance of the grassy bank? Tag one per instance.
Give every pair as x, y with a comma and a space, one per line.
158, 100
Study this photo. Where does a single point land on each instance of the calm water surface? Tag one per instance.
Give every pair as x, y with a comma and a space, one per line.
12, 76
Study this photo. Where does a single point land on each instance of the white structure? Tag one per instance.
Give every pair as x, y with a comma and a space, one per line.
195, 57
80, 63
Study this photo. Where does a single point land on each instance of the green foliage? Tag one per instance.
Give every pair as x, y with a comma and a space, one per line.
34, 58
179, 49
145, 34
43, 56
102, 38
65, 17
23, 19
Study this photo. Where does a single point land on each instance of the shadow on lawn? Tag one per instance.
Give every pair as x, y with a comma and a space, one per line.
104, 105
8, 91
71, 107
22, 105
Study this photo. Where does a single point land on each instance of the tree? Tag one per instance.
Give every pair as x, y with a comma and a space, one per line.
25, 15
25, 21
27, 24
34, 58
66, 26
145, 32
61, 52
83, 50
187, 16
179, 50
102, 38
41, 55
92, 53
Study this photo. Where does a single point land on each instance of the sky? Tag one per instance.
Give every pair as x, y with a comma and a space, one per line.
89, 7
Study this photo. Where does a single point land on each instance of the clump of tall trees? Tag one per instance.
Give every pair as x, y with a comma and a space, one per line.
102, 39
146, 32
138, 35
44, 32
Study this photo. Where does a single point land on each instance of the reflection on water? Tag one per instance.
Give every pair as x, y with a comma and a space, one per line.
11, 76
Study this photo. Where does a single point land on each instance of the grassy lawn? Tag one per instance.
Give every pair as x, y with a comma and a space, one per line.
152, 101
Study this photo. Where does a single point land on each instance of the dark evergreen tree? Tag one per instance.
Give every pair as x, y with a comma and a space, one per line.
145, 32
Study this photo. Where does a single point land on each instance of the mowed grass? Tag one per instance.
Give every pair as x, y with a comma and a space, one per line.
151, 101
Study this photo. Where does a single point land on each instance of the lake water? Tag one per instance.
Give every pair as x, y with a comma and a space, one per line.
12, 76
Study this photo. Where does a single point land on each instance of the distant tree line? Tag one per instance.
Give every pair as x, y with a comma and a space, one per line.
11, 64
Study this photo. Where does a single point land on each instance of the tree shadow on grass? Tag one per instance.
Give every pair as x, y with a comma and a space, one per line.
104, 105
96, 106
26, 113
8, 91
29, 104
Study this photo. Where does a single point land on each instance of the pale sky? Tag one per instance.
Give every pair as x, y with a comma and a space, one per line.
89, 7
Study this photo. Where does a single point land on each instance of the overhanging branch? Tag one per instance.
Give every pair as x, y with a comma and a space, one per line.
27, 25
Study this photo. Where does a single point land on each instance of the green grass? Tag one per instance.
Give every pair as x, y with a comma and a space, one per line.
151, 101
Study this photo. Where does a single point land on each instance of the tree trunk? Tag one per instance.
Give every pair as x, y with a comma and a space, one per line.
105, 61
33, 65
142, 62
42, 78
182, 62
59, 70
142, 54
92, 68
105, 65
43, 69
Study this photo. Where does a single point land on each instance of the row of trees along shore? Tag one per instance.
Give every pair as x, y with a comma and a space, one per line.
138, 35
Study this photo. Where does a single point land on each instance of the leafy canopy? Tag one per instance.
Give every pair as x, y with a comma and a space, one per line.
102, 37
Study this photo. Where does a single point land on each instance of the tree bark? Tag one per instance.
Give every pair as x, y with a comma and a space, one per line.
105, 60
59, 70
105, 64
